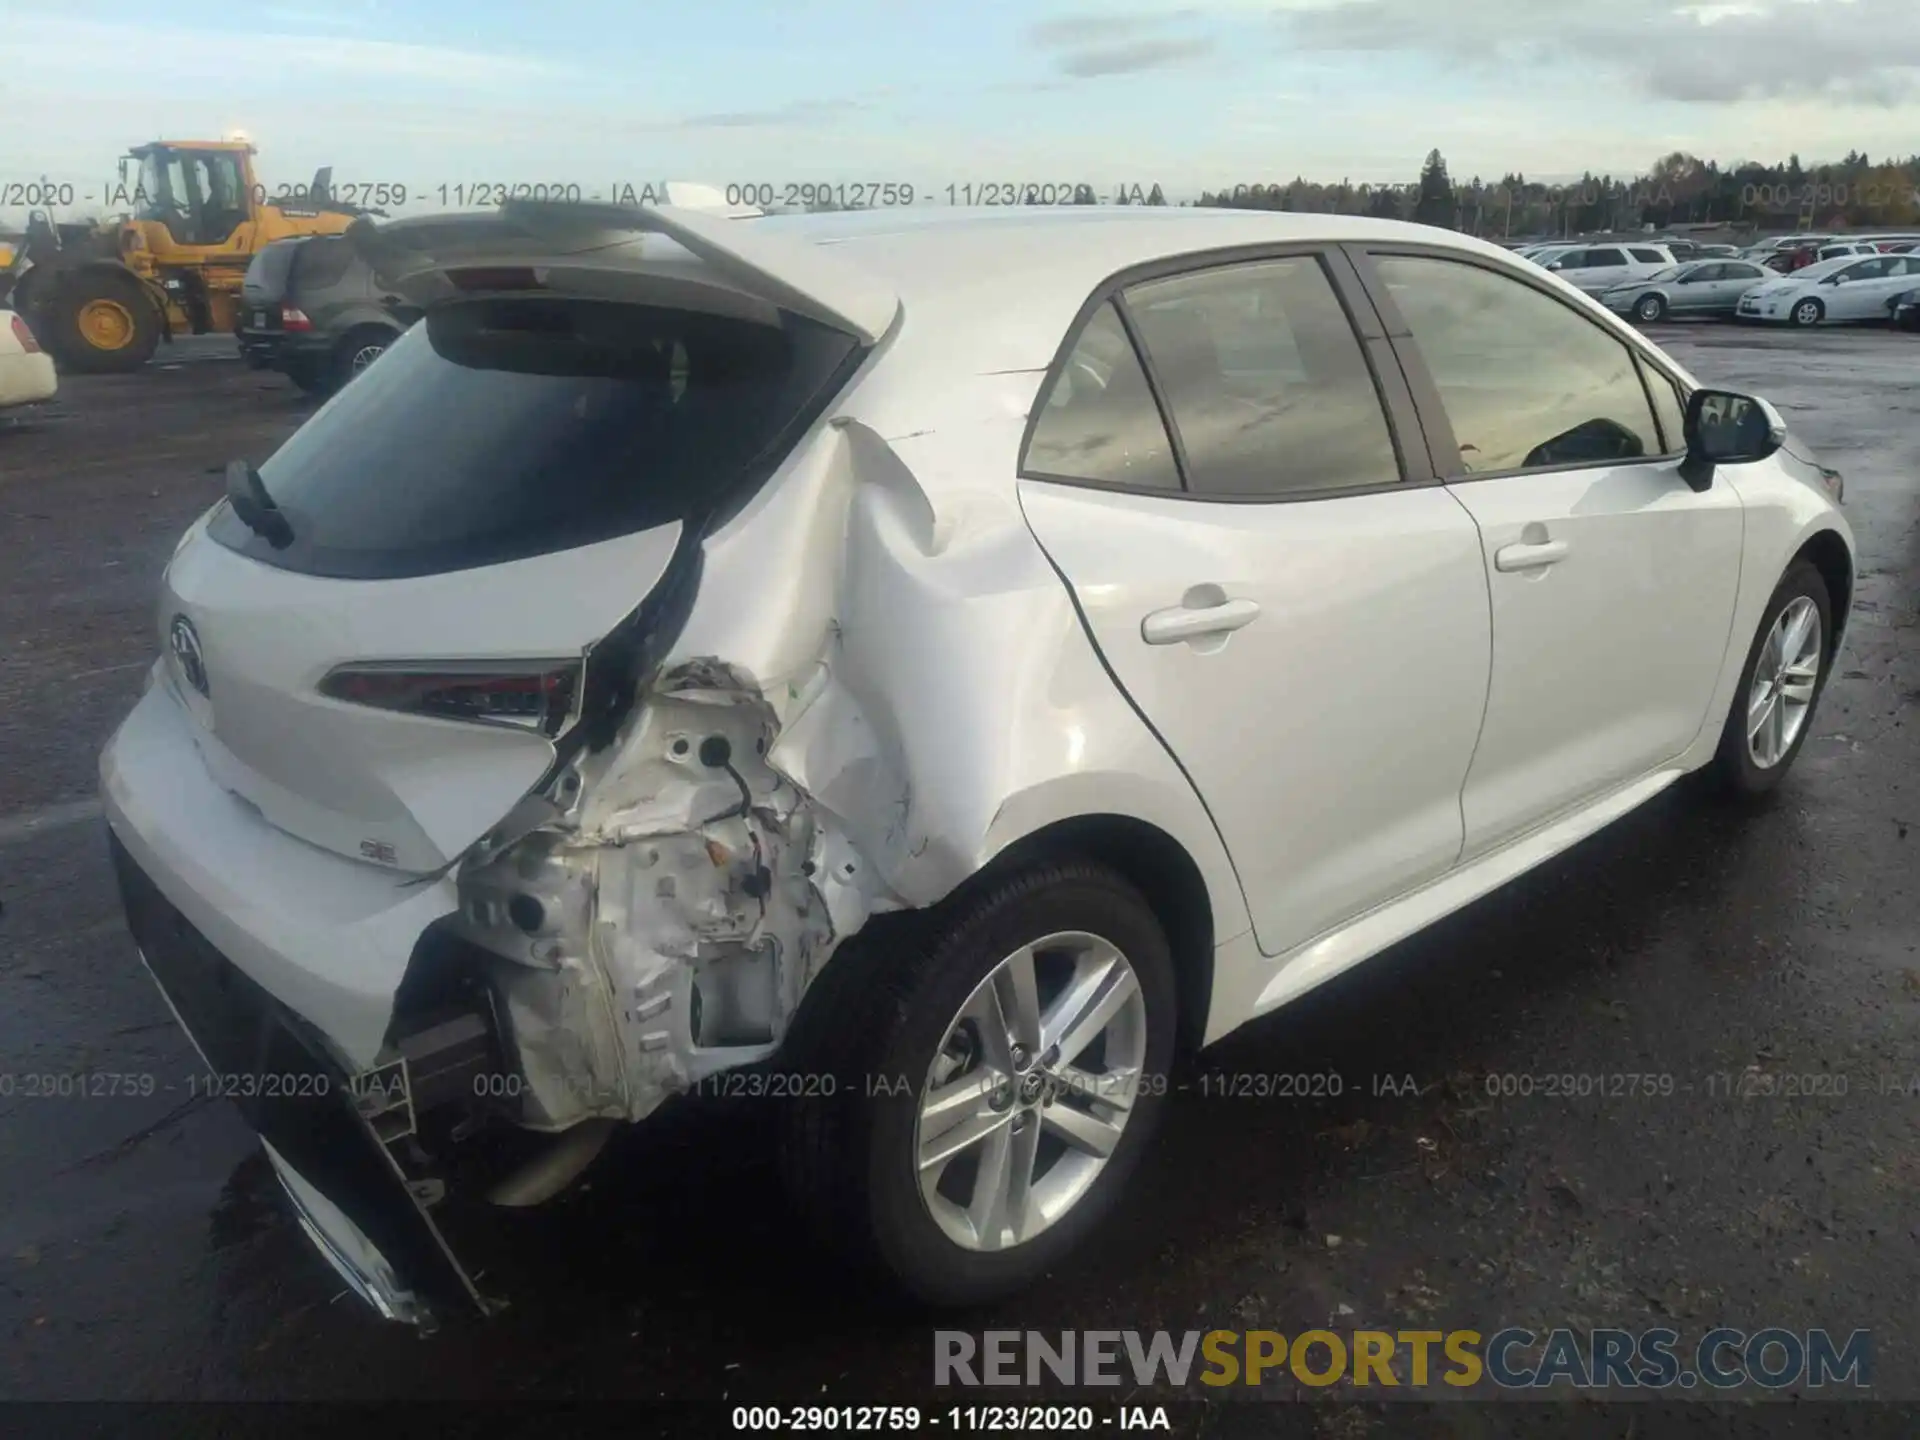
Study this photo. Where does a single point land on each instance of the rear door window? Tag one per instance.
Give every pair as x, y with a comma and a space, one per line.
1268, 388
1099, 420
1651, 257
503, 429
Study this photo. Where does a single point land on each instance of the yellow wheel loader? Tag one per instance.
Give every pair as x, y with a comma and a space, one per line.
102, 297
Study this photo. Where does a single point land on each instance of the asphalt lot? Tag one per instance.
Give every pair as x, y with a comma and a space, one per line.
144, 1253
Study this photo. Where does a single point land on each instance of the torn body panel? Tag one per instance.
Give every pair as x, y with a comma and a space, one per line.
668, 927
906, 690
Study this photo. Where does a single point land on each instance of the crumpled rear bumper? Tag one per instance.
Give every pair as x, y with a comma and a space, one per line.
352, 1199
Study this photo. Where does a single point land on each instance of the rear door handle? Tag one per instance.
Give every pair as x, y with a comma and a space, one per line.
1529, 557
1190, 622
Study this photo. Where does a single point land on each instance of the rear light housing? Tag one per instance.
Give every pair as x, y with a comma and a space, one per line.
24, 334
292, 318
542, 696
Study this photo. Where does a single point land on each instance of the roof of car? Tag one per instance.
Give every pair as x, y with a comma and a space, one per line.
1008, 281
940, 246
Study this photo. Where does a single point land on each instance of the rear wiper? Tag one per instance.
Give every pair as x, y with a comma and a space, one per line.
247, 493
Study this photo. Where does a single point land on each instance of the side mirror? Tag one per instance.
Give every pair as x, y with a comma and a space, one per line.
1724, 427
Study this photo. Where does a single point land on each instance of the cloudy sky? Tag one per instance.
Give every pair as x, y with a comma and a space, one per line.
432, 92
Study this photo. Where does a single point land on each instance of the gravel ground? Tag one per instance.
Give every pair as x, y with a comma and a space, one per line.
144, 1253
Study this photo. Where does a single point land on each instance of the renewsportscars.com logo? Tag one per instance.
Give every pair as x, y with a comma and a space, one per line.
1511, 1359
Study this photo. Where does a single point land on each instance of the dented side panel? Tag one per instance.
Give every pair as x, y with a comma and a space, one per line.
880, 685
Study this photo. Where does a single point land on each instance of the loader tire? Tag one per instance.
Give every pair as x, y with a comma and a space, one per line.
101, 322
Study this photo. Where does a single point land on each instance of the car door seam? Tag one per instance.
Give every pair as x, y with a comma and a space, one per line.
1486, 696
1093, 643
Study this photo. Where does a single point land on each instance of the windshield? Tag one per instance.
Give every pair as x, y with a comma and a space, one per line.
198, 196
503, 429
1671, 272
1823, 268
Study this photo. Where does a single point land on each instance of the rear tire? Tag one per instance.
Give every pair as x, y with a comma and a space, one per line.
102, 322
1771, 680
886, 1030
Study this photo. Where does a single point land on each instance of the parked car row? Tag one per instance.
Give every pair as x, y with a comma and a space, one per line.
1789, 253
1795, 279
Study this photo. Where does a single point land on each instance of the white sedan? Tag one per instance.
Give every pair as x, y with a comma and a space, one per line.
26, 371
927, 671
1852, 287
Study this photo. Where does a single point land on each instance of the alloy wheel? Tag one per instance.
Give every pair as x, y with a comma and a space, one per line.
1030, 1090
363, 357
1784, 679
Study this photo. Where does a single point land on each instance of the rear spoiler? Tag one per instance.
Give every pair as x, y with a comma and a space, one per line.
413, 256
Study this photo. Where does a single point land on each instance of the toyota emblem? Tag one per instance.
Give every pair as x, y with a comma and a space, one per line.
185, 641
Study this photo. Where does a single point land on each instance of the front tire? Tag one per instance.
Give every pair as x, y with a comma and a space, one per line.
997, 1075
103, 322
1808, 312
1781, 683
1650, 309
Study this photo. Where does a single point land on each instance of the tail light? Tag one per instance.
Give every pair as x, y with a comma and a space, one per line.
294, 319
24, 334
542, 696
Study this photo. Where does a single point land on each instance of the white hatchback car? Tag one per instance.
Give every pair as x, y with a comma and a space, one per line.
930, 670
1852, 287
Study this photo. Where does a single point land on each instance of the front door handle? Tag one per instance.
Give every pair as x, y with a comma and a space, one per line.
1529, 557
1191, 622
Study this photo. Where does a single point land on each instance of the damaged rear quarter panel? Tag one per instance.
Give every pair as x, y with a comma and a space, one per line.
899, 688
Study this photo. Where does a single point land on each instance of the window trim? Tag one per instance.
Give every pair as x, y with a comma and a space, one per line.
1398, 408
1442, 443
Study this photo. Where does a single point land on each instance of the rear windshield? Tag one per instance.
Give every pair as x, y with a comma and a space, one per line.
267, 275
498, 430
322, 261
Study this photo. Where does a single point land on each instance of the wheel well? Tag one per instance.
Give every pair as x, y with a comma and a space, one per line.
1827, 553
368, 327
358, 334
1156, 865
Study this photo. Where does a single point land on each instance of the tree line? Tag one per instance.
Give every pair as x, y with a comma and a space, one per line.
1679, 189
